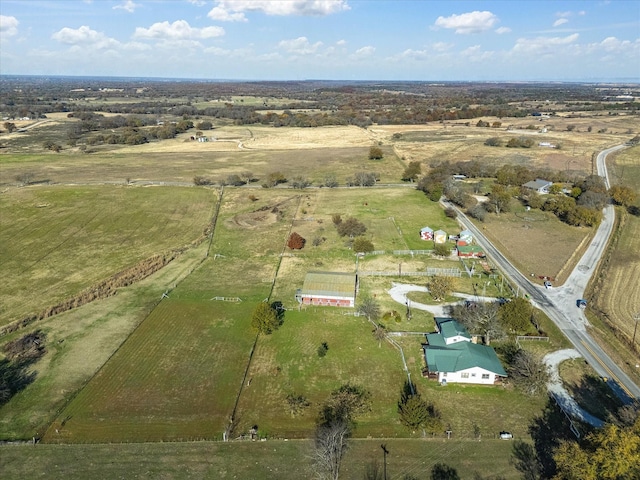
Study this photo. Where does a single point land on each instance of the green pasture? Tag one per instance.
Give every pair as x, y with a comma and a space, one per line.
79, 342
287, 460
57, 241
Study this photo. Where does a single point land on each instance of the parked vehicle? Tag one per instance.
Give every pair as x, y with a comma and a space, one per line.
506, 435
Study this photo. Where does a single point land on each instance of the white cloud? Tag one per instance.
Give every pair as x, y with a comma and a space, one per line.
472, 22
221, 14
178, 30
233, 10
502, 30
127, 5
364, 52
84, 36
197, 3
543, 45
476, 54
341, 43
299, 46
560, 21
8, 26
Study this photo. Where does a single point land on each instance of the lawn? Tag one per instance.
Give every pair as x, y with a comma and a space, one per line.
57, 241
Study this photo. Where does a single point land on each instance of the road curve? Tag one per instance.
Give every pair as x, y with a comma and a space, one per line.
560, 303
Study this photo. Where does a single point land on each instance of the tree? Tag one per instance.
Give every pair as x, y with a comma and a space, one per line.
200, 180
370, 308
529, 373
331, 444
296, 241
515, 315
493, 142
480, 319
525, 459
500, 198
351, 227
442, 249
273, 179
234, 180
205, 125
440, 287
330, 180
414, 412
10, 127
375, 153
623, 195
412, 172
362, 179
380, 333
362, 245
610, 453
299, 181
323, 349
264, 319
442, 471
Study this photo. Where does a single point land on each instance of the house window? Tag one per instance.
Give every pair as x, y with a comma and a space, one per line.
485, 376
464, 375
473, 375
444, 374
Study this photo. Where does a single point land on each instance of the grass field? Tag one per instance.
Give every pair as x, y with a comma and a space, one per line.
255, 460
615, 293
57, 241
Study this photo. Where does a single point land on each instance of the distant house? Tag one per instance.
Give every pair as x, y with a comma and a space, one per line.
440, 236
426, 233
539, 185
452, 357
329, 288
470, 251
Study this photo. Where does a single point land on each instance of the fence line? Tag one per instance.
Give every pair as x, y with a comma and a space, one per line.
429, 272
227, 299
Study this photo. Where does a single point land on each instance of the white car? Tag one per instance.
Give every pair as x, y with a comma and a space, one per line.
547, 284
506, 435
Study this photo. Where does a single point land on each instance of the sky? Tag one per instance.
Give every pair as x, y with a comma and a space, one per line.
395, 40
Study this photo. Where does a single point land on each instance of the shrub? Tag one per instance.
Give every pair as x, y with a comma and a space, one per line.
323, 349
362, 245
296, 241
351, 227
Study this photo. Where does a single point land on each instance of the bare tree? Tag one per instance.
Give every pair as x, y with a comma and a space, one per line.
370, 308
480, 319
529, 372
331, 444
380, 333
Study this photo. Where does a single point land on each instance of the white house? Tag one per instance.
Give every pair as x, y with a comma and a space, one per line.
539, 185
452, 357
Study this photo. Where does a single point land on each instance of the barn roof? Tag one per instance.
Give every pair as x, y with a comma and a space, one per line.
330, 284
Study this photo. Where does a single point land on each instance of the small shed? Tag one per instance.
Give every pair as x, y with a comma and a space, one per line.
466, 236
426, 233
440, 236
329, 288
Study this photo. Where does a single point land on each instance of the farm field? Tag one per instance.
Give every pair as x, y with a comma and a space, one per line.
616, 297
58, 241
211, 341
256, 460
141, 368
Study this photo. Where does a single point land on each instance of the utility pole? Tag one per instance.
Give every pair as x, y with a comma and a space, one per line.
385, 451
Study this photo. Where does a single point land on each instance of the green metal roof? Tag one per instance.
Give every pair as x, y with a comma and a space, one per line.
451, 328
330, 284
469, 249
462, 356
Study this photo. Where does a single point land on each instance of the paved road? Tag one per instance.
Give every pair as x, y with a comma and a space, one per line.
560, 303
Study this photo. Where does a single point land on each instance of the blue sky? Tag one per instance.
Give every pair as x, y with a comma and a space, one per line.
324, 39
